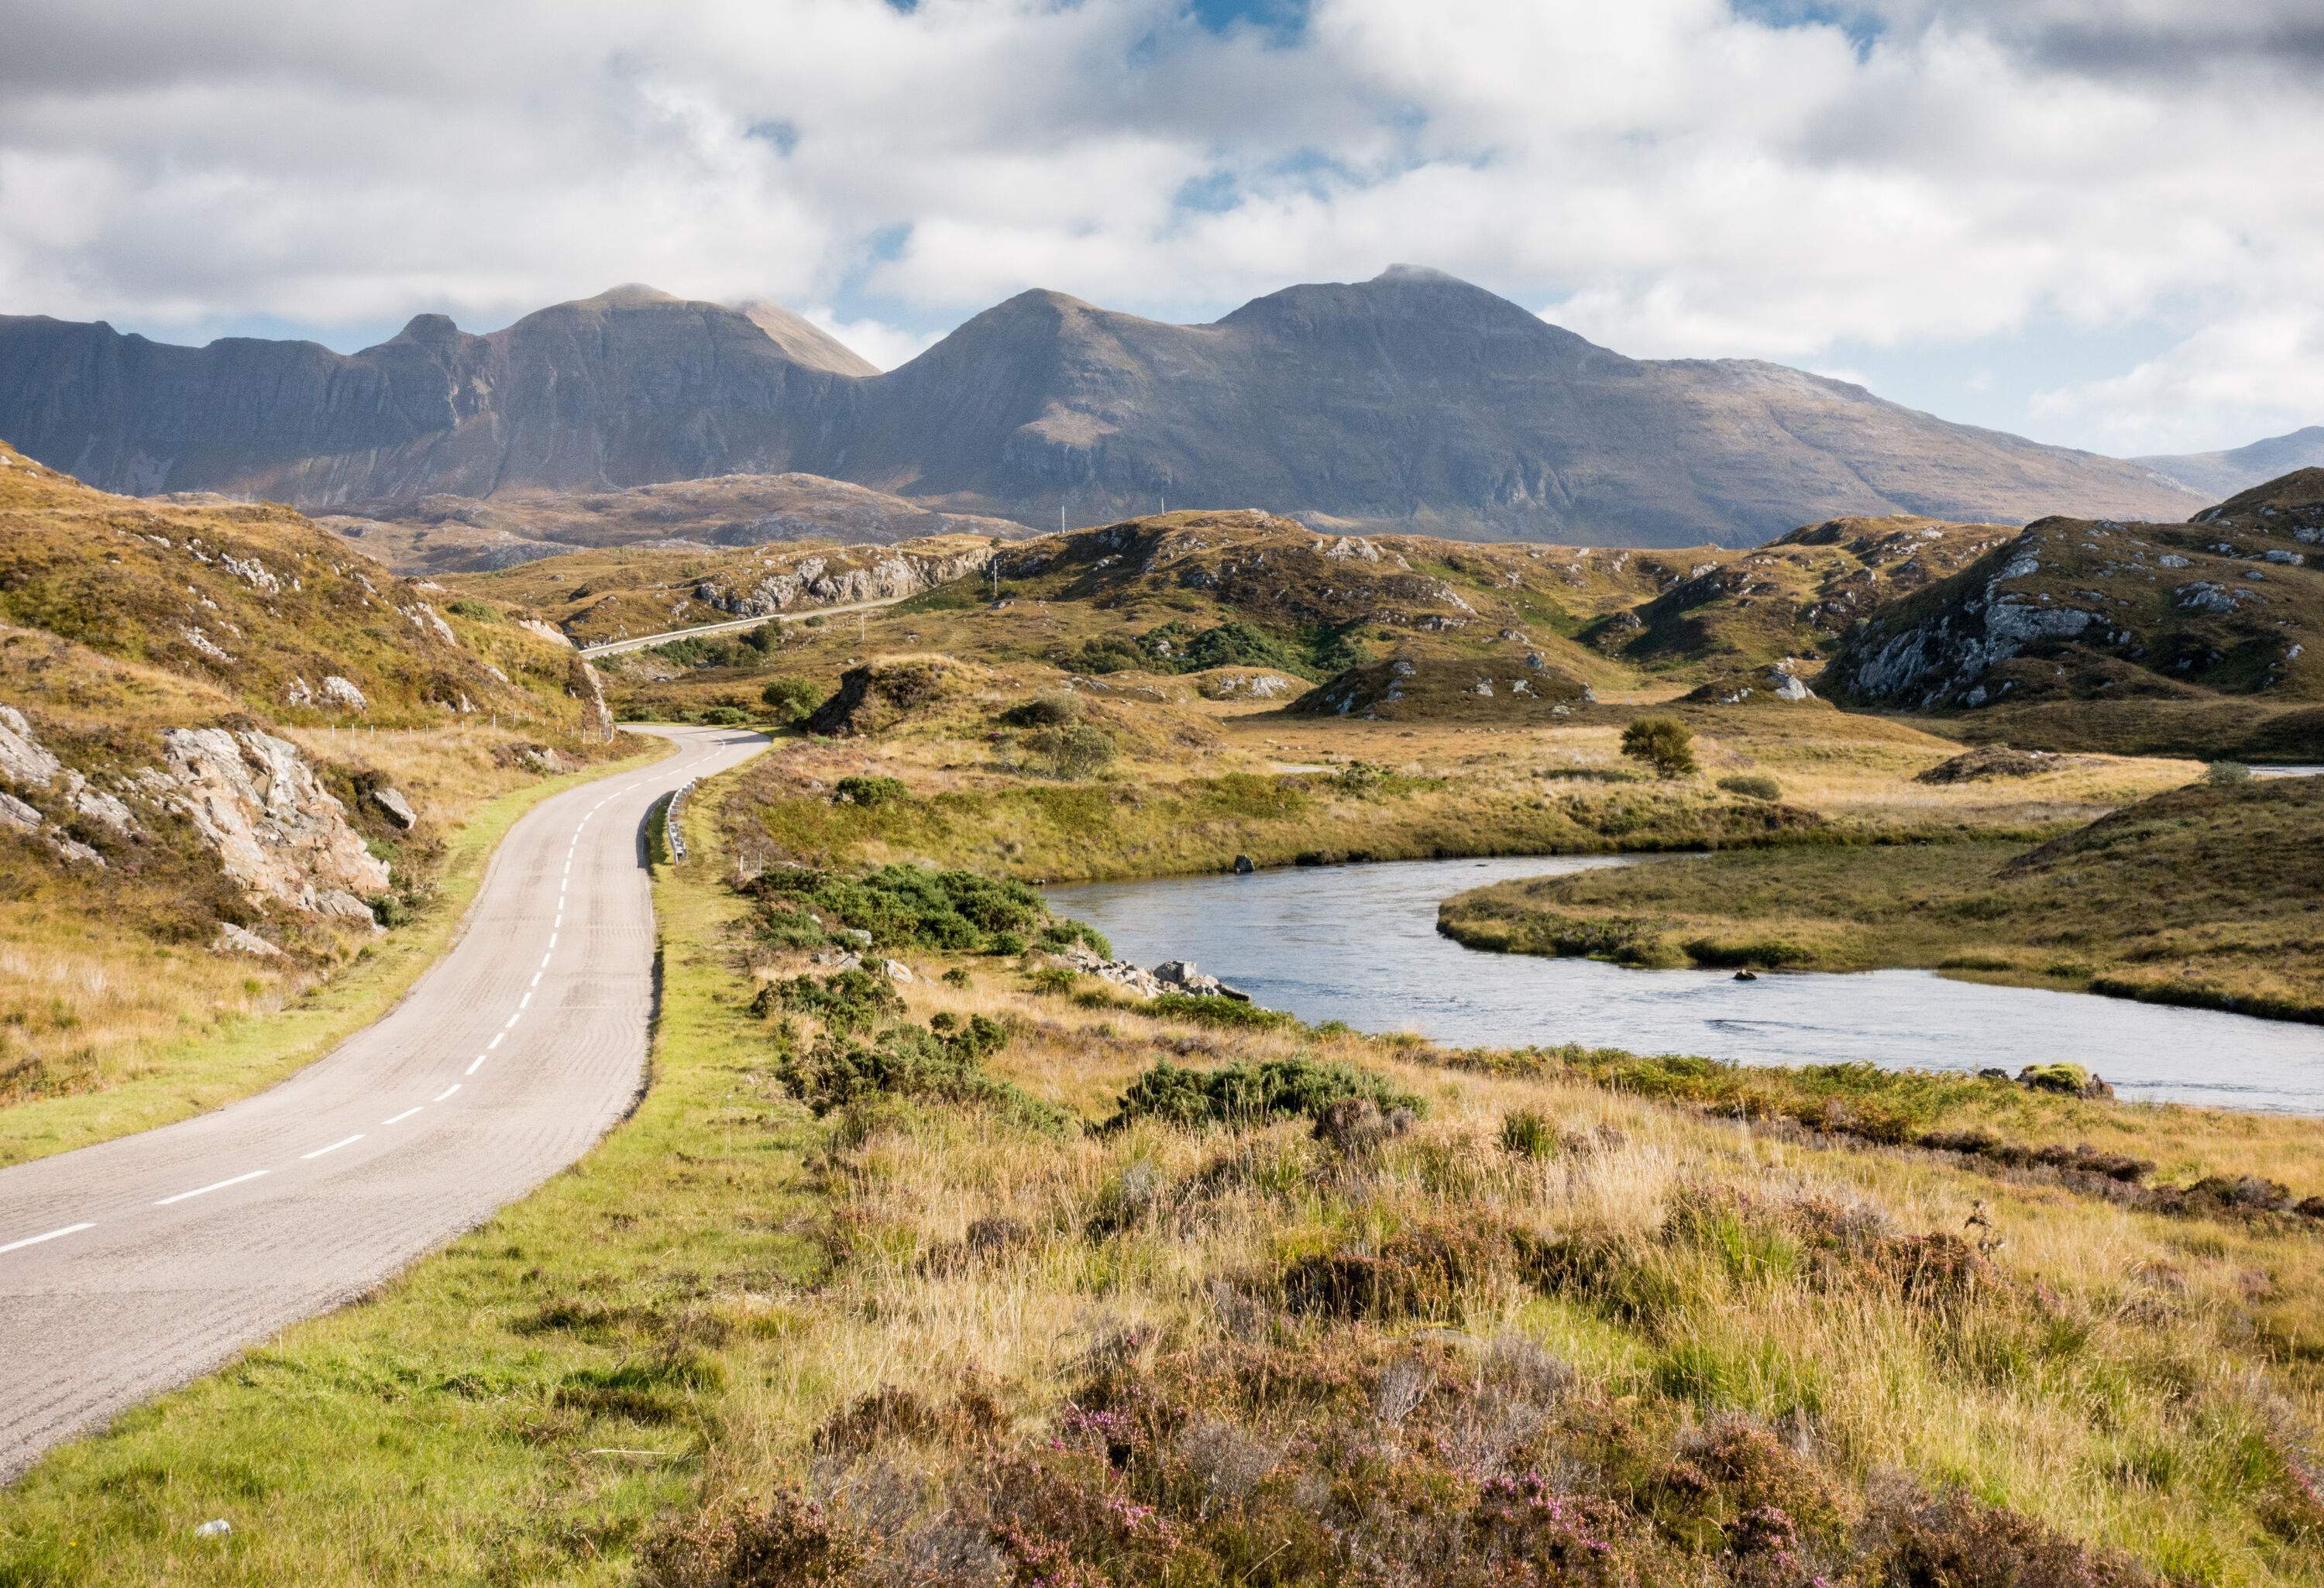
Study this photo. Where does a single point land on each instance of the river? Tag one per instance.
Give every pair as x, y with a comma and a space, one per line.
1359, 944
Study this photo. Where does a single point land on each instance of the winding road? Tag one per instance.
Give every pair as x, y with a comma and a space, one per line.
135, 1266
604, 648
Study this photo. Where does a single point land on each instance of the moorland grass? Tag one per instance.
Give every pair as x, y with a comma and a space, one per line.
2206, 895
1554, 1315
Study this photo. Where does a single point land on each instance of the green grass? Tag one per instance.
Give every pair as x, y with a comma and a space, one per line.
2204, 895
1059, 831
247, 1053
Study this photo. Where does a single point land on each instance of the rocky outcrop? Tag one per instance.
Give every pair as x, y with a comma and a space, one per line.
32, 767
1174, 976
276, 830
584, 685
1777, 682
2091, 609
826, 581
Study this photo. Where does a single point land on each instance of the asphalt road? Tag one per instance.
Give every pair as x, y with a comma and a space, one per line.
733, 626
133, 1267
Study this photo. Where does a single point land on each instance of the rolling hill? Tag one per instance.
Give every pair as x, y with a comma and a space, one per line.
466, 534
1411, 402
2224, 474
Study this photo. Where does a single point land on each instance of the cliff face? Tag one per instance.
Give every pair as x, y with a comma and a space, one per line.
1412, 402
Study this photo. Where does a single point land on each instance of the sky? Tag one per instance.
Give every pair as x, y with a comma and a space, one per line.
2099, 223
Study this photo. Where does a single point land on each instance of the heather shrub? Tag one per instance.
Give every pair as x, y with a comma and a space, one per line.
1245, 1095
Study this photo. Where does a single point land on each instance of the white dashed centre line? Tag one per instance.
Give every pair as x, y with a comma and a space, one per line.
406, 1114
52, 1234
206, 1190
334, 1147
475, 1065
447, 1092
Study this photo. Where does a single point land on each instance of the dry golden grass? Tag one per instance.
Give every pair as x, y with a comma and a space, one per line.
660, 1335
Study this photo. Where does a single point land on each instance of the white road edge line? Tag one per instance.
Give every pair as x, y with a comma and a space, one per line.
447, 1092
334, 1147
206, 1190
52, 1234
406, 1114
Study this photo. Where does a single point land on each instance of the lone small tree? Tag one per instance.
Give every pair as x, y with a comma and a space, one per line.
1664, 743
791, 698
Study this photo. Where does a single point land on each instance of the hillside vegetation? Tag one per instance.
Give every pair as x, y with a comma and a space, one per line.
2209, 895
238, 763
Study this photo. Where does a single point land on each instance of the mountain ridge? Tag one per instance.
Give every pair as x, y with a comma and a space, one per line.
1412, 402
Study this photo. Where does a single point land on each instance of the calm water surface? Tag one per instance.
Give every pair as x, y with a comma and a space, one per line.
1359, 944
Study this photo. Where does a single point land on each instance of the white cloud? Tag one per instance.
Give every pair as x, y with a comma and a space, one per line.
1665, 176
886, 346
2256, 374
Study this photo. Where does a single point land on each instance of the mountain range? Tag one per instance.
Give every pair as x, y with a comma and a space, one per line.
1411, 402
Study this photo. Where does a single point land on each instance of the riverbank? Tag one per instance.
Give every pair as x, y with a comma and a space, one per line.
2206, 896
1014, 1295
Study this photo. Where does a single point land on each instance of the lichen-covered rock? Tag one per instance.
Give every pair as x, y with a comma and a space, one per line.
234, 939
343, 693
395, 807
277, 831
24, 759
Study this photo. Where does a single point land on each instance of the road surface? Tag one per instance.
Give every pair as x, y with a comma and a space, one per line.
132, 1267
616, 647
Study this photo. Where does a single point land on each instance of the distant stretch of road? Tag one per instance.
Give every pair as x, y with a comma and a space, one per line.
639, 643
132, 1267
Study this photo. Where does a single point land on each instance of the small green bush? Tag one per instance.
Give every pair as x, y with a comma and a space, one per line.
869, 792
1526, 1133
1071, 751
907, 907
850, 1000
475, 612
1753, 786
2221, 773
917, 1062
1248, 1095
1056, 710
724, 716
791, 698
